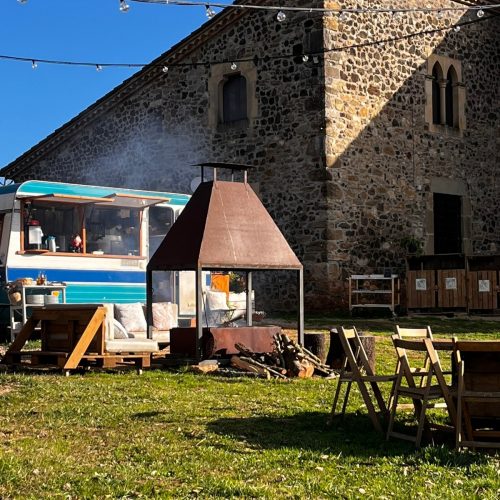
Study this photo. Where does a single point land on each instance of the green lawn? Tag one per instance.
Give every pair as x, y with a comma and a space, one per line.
176, 434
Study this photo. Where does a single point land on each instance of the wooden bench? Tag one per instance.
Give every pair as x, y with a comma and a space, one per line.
72, 337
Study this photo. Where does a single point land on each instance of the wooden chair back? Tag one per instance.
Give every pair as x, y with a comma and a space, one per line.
416, 333
355, 354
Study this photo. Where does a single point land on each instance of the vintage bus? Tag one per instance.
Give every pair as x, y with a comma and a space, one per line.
94, 239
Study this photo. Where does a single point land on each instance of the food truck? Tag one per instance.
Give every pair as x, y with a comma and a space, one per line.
94, 240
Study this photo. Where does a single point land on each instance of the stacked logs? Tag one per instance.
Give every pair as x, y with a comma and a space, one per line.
288, 359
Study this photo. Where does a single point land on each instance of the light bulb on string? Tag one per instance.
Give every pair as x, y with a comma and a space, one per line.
480, 13
34, 65
343, 16
22, 1
305, 58
234, 66
396, 14
209, 12
457, 28
440, 14
165, 69
124, 6
98, 67
281, 16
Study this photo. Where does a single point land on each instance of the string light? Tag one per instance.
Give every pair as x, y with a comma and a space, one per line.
210, 12
34, 65
480, 13
284, 9
234, 66
281, 16
124, 6
22, 1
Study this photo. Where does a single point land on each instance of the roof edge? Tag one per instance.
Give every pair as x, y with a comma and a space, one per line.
129, 86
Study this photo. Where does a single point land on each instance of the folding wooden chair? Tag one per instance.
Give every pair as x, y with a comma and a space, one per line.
422, 396
478, 394
356, 368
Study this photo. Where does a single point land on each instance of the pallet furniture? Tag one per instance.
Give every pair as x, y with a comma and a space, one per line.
374, 291
72, 337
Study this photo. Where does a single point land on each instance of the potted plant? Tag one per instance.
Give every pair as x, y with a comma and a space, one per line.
412, 245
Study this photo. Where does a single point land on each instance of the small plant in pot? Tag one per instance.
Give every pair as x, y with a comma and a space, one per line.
412, 245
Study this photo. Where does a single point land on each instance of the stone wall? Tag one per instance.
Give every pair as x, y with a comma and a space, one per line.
381, 160
344, 161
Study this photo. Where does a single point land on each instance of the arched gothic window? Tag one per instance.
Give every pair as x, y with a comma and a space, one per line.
234, 99
445, 96
451, 97
437, 76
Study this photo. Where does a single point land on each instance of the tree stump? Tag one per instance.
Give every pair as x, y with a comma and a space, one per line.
316, 343
336, 352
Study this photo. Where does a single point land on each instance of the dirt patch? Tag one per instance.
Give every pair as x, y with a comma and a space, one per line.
5, 389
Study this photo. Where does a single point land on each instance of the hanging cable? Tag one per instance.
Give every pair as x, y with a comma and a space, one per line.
324, 10
34, 61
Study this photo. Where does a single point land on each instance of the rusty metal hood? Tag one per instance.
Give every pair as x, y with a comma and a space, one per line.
224, 226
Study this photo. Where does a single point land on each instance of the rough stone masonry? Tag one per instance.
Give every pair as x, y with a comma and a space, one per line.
344, 157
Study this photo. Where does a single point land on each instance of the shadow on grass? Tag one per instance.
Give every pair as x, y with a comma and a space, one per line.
352, 437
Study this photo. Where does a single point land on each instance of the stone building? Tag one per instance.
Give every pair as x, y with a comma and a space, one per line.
357, 143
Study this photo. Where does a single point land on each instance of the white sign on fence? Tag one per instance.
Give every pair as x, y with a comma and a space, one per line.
421, 284
450, 283
484, 285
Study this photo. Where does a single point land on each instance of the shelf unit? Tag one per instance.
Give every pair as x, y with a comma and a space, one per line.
19, 312
373, 288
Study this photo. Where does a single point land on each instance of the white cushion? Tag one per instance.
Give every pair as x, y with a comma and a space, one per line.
131, 316
216, 301
131, 345
119, 331
164, 315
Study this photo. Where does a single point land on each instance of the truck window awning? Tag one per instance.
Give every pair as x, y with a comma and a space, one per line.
114, 199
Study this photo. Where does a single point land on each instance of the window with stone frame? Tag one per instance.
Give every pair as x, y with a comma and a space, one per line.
234, 99
232, 96
445, 93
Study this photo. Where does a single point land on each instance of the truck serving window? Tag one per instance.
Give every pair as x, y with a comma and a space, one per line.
113, 231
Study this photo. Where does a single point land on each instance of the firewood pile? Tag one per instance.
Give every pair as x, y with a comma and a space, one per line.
287, 360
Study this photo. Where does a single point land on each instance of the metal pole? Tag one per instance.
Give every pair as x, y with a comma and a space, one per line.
149, 302
300, 286
199, 313
249, 298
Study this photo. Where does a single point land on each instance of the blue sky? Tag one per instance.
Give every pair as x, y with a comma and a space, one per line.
33, 103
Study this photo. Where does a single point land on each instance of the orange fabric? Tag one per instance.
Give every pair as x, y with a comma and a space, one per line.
220, 282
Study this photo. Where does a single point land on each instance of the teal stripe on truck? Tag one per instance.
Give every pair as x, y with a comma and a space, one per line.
92, 294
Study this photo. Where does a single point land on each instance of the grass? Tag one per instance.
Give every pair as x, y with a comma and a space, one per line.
181, 435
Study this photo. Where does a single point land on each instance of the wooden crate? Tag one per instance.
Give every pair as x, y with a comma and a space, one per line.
62, 328
483, 290
421, 289
452, 290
